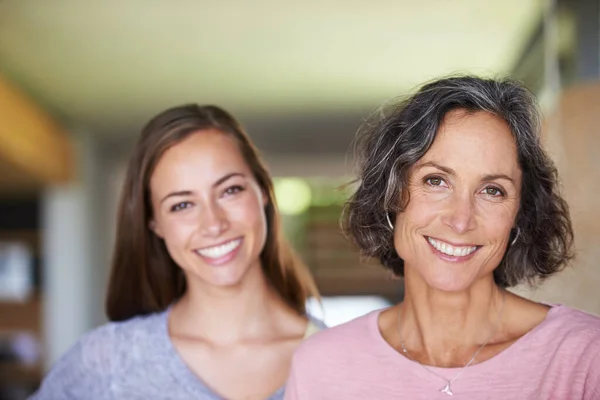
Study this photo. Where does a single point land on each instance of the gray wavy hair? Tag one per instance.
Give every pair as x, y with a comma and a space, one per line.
392, 141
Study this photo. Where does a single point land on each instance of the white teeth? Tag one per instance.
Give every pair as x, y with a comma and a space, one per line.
457, 251
220, 250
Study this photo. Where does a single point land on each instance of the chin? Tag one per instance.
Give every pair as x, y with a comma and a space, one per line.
224, 278
448, 283
227, 279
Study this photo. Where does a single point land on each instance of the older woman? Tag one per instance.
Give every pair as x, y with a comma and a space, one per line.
457, 196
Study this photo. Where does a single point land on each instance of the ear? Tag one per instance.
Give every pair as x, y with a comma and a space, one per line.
154, 227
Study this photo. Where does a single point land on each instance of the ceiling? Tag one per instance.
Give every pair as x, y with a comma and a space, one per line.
109, 65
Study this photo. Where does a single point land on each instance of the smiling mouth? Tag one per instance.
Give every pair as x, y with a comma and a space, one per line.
219, 250
450, 250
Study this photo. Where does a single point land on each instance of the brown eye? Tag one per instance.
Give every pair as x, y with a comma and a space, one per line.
493, 191
435, 181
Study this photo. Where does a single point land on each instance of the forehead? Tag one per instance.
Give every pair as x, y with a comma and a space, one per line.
204, 156
478, 140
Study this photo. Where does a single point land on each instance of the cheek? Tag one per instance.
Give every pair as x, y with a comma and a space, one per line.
497, 219
249, 212
419, 212
176, 232
417, 216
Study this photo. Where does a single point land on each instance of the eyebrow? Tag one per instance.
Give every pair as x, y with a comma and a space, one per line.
447, 170
219, 181
176, 194
493, 177
450, 171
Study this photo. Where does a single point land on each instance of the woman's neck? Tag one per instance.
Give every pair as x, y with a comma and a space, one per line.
446, 328
244, 312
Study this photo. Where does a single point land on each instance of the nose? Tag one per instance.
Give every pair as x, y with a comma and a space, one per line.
460, 214
213, 220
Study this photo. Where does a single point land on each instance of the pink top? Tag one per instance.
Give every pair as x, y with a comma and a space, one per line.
559, 359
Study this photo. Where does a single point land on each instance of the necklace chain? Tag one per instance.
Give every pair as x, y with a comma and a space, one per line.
447, 389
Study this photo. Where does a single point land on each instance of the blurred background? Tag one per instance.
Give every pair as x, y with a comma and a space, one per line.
79, 78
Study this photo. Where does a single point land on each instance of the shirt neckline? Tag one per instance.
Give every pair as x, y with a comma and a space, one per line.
487, 366
189, 380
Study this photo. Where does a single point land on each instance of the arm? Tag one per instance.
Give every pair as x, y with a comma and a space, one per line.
82, 373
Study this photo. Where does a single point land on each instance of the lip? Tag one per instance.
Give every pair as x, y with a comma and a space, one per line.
447, 257
453, 243
219, 244
223, 259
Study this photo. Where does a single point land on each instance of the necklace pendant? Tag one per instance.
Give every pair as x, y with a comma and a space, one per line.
447, 389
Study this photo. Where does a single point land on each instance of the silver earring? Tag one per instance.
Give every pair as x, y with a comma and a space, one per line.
516, 237
387, 216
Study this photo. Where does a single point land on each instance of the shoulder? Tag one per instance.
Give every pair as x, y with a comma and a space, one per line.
565, 322
114, 339
334, 354
572, 333
98, 356
574, 336
123, 337
336, 341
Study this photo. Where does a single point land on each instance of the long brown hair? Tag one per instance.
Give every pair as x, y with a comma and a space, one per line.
144, 278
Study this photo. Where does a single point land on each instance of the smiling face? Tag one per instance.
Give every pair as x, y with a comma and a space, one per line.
209, 209
464, 198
